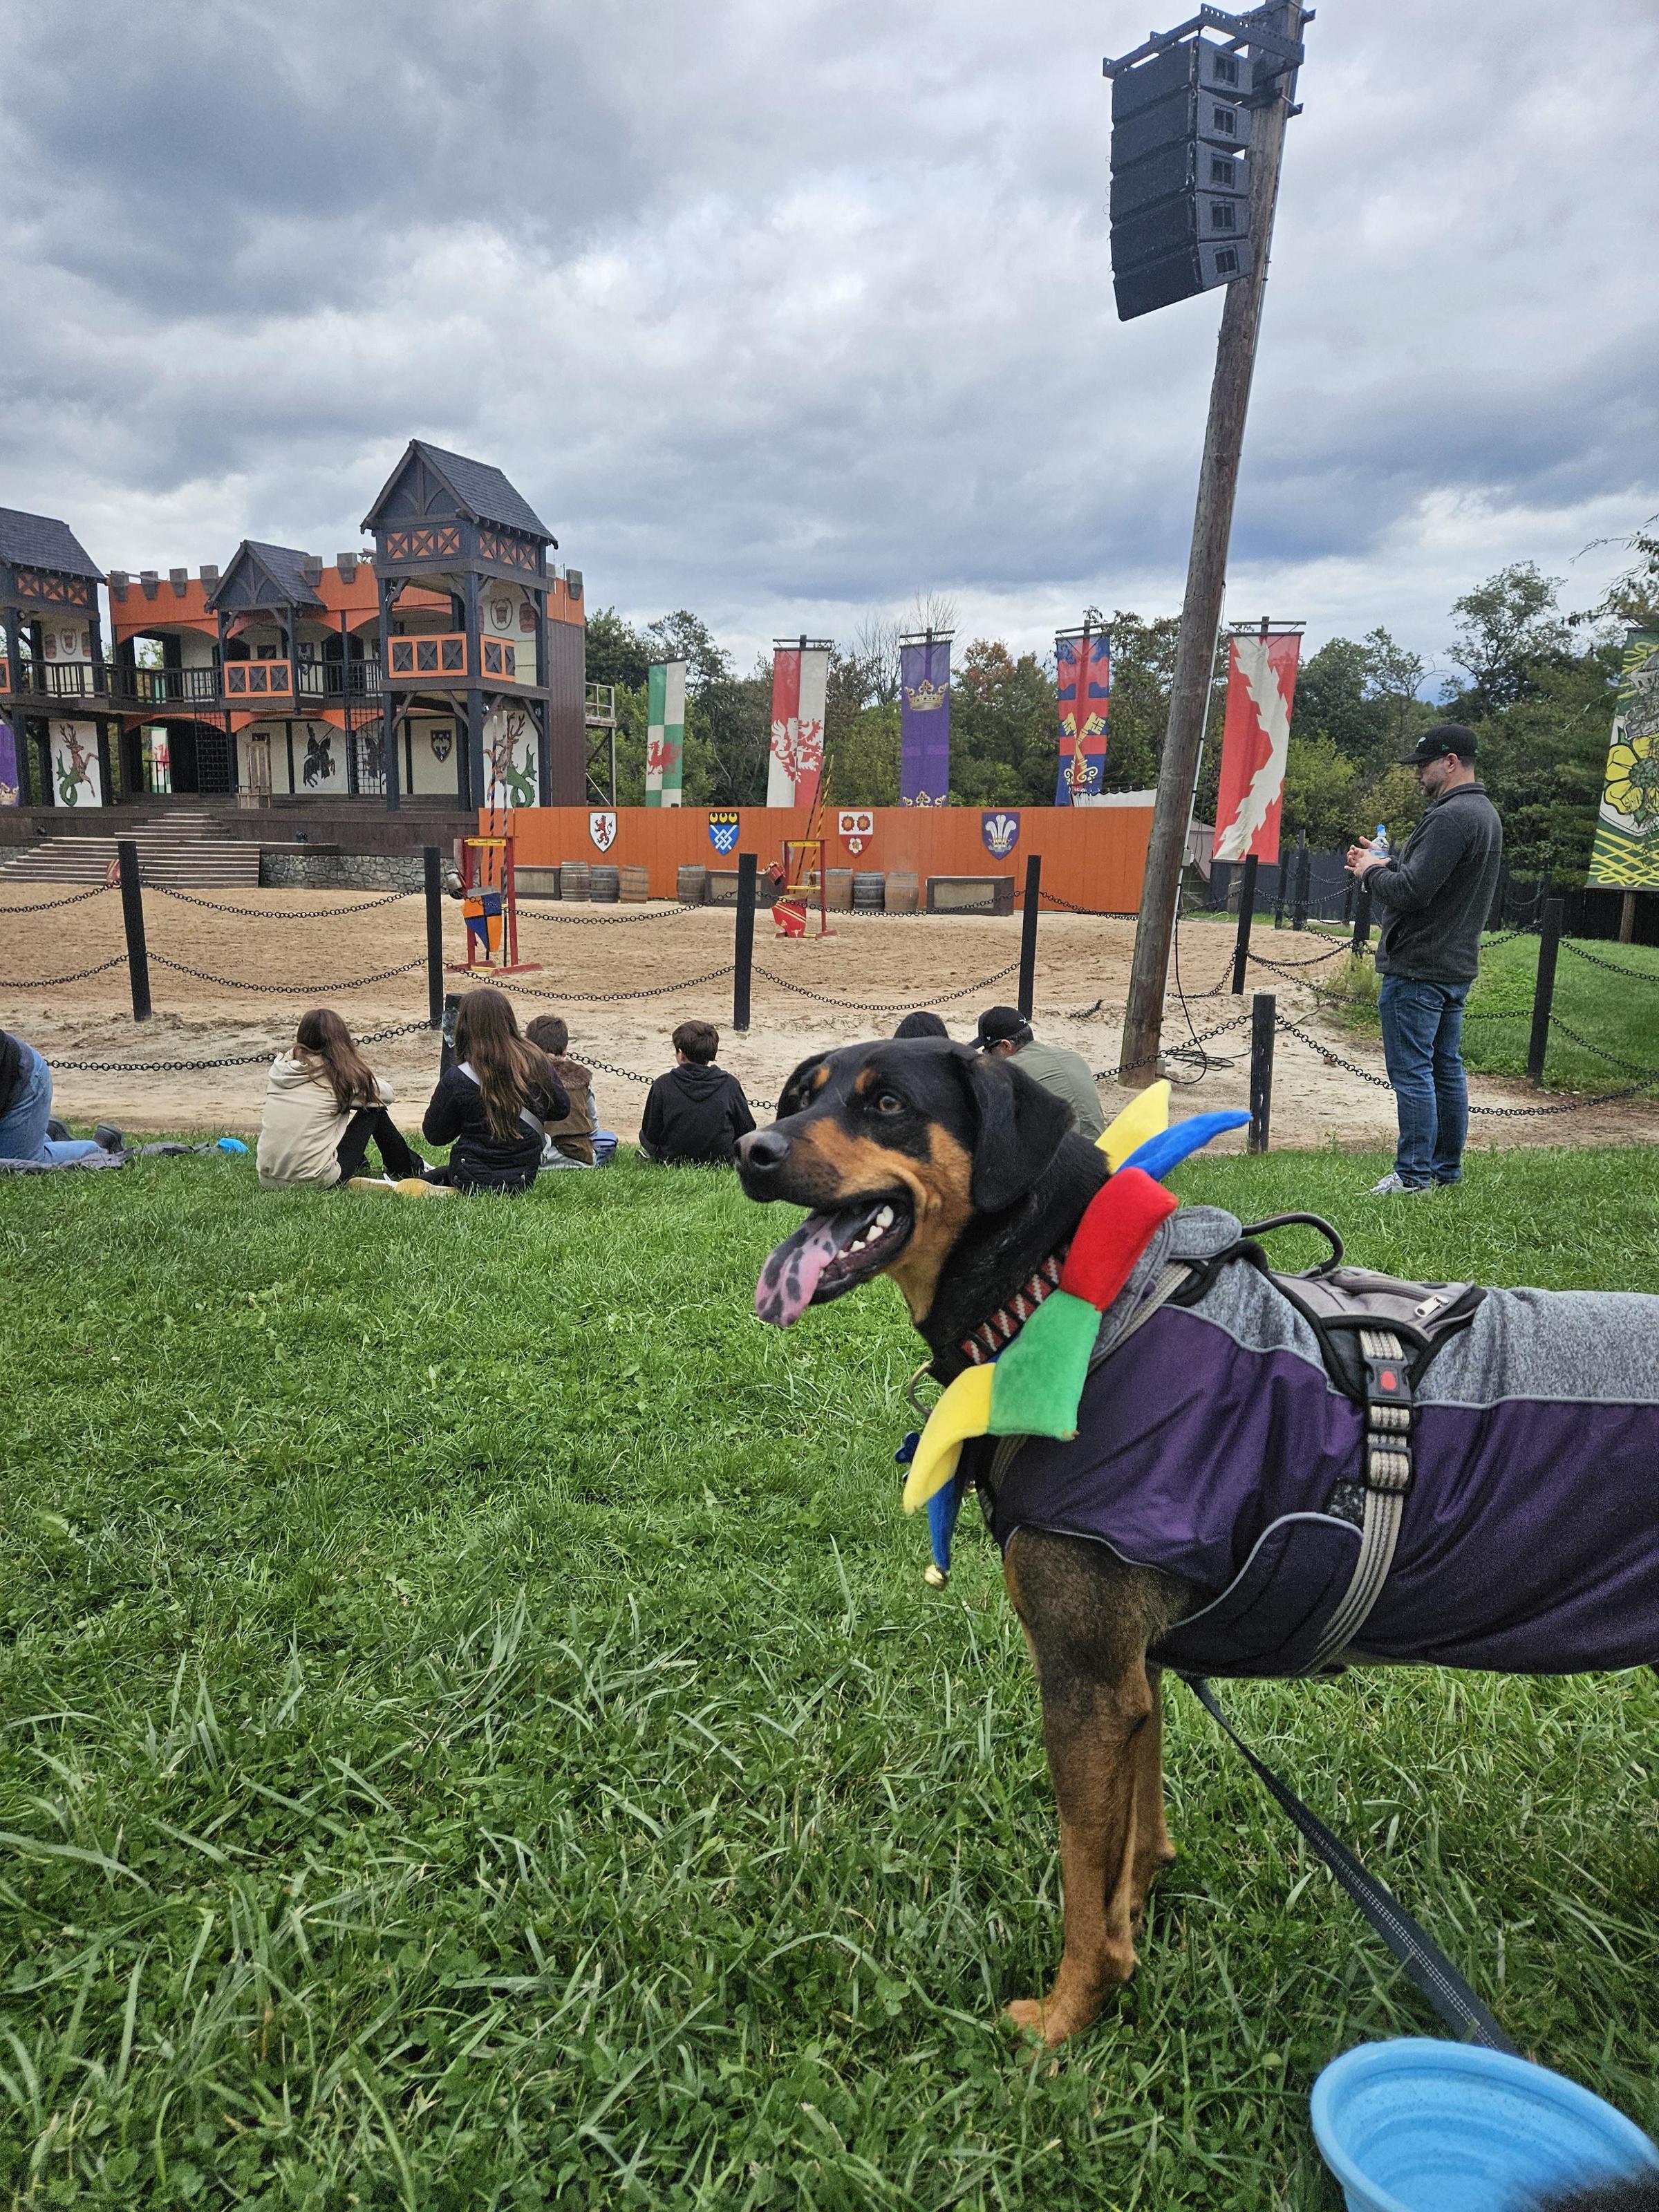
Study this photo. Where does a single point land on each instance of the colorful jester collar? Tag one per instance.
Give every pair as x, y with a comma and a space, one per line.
1034, 1385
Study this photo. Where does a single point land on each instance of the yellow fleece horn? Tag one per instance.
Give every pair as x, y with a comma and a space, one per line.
965, 1410
1146, 1114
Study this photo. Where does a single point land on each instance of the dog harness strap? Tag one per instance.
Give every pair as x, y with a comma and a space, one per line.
1388, 1409
995, 1336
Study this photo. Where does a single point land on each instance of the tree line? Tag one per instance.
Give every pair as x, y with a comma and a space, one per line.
1536, 684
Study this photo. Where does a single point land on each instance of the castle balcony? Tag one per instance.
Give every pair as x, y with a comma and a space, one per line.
244, 681
59, 683
164, 688
319, 680
437, 657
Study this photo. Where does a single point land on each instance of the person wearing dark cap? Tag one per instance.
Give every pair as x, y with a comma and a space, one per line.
1005, 1031
1433, 899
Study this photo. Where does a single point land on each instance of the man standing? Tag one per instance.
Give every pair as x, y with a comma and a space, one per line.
1005, 1031
1433, 901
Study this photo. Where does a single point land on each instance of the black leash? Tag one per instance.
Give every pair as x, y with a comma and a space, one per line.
1416, 1952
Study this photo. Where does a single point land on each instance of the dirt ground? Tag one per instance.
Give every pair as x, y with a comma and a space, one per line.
261, 957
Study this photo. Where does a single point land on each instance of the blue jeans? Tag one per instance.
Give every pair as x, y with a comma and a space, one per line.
23, 1125
1422, 1044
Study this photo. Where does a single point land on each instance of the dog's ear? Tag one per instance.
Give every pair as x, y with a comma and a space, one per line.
793, 1096
1020, 1129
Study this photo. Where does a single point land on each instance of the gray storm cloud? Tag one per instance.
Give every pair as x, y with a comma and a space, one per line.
785, 312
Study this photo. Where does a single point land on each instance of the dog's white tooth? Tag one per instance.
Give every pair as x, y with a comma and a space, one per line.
885, 1219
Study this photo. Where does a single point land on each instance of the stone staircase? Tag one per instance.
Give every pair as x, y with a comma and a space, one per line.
172, 851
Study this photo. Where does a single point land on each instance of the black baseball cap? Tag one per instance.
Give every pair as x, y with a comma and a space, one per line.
1444, 737
1001, 1026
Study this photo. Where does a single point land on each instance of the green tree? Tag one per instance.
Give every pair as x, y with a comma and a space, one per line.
1509, 628
1542, 759
616, 653
1004, 739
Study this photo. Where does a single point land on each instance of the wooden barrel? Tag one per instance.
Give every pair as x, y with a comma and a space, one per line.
903, 891
603, 884
574, 880
868, 890
838, 890
690, 885
635, 885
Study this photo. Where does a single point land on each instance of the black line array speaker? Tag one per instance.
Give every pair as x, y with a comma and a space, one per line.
1181, 179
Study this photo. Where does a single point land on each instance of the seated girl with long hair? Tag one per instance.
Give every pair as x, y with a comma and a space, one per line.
325, 1106
491, 1104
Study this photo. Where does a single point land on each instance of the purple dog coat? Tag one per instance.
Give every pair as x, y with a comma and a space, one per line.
1212, 1439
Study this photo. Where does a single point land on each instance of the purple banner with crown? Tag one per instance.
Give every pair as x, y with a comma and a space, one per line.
925, 720
9, 779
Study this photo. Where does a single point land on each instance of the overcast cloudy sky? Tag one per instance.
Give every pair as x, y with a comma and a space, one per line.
785, 312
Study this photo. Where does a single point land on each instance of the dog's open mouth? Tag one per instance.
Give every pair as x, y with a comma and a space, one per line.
829, 1253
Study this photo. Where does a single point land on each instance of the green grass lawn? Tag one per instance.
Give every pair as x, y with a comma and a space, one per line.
473, 1734
1615, 1012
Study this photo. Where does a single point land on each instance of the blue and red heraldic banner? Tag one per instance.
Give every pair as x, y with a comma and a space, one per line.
1261, 667
1082, 678
800, 684
925, 720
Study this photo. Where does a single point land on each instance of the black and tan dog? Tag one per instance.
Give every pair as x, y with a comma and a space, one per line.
960, 1177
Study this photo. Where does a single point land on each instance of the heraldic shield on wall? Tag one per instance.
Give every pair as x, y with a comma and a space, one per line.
602, 827
1000, 830
856, 827
723, 829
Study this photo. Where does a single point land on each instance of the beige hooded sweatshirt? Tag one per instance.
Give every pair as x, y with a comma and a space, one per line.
300, 1128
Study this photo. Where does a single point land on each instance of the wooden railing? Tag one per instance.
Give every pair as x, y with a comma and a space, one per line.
257, 679
439, 657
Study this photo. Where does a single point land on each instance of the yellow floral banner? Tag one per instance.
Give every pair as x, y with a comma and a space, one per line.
1625, 856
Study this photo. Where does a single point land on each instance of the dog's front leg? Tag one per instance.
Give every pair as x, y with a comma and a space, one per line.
1100, 1725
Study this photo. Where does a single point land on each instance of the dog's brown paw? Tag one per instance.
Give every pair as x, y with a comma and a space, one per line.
1045, 2021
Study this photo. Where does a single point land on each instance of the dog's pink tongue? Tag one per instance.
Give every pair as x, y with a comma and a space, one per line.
792, 1272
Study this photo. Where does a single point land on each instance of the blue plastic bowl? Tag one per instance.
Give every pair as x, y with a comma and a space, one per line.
1421, 2126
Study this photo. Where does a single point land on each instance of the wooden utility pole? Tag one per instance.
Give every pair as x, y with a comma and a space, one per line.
1206, 571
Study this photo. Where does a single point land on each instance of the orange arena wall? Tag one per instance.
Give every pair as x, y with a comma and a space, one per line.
1092, 856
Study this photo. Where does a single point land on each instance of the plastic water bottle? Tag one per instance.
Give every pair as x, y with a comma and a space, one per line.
1380, 842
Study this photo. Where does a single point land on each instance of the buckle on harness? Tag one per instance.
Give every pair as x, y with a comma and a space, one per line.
1389, 1407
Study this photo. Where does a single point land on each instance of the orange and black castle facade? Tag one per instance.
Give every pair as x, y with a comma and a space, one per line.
445, 664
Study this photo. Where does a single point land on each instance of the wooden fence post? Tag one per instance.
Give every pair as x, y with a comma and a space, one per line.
744, 943
1549, 941
133, 916
1264, 1023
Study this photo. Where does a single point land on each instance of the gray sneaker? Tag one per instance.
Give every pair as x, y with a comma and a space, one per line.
1391, 1187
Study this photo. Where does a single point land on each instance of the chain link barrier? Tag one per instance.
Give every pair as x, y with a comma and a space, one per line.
611, 921
1612, 967
234, 1059
44, 906
889, 1005
277, 913
614, 998
1601, 1052
283, 990
1494, 1113
48, 983
1098, 913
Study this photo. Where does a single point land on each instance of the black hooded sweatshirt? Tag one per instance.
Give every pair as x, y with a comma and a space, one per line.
694, 1114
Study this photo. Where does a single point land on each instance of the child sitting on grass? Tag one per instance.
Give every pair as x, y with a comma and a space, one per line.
492, 1103
324, 1108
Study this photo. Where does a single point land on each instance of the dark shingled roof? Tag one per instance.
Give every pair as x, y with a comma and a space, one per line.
282, 563
483, 491
37, 541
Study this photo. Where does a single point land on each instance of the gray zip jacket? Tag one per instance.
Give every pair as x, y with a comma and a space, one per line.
1434, 899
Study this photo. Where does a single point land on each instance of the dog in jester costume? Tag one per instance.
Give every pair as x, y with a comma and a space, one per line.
1191, 1460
